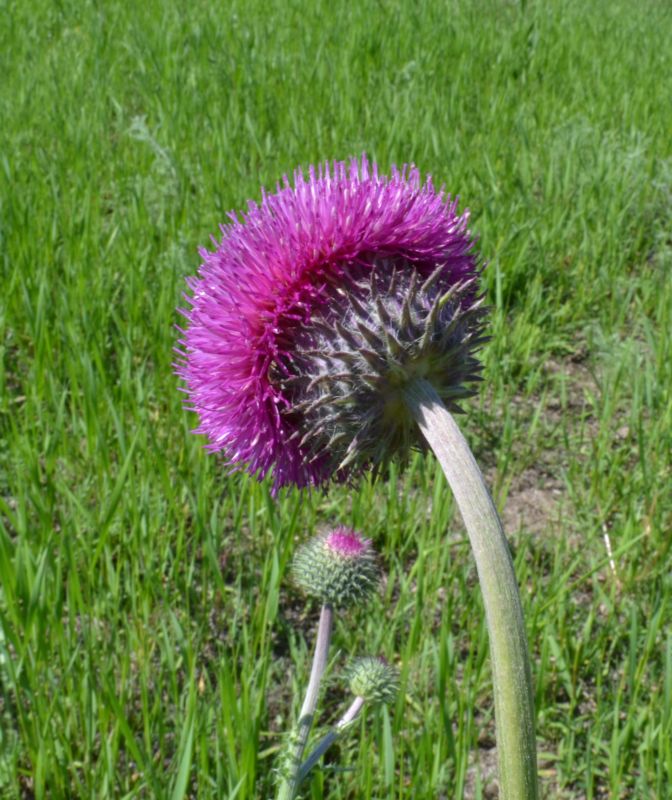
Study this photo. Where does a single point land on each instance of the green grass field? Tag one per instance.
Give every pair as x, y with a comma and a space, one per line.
151, 642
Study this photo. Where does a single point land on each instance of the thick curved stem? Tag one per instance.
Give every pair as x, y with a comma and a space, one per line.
290, 784
514, 703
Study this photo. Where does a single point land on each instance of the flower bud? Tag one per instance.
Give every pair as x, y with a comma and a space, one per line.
373, 679
338, 568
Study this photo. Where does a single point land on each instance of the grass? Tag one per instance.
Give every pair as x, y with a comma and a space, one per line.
151, 644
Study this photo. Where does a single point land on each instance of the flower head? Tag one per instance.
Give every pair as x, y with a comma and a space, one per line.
338, 568
284, 273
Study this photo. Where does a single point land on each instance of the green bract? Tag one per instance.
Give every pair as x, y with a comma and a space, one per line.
373, 679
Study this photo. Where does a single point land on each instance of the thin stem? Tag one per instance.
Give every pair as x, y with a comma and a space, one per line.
514, 703
290, 784
329, 738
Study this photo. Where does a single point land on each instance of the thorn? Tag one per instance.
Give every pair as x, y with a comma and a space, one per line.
392, 288
373, 281
357, 307
406, 312
347, 335
433, 278
394, 346
430, 323
373, 359
368, 335
351, 454
385, 318
344, 355
338, 376
372, 381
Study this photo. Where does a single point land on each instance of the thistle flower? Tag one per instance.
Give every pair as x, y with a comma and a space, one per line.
338, 568
333, 259
326, 320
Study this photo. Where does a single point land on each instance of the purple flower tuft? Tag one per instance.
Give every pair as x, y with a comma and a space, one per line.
277, 265
346, 542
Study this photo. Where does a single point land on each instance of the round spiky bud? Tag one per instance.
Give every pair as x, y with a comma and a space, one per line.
352, 362
338, 568
373, 679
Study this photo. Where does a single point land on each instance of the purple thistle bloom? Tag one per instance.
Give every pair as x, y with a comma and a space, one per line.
274, 269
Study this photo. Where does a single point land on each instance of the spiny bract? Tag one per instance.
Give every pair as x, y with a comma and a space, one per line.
352, 362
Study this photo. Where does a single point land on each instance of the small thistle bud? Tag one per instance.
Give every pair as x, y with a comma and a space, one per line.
354, 360
373, 679
338, 568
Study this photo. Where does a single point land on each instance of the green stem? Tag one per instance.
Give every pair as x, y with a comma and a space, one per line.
330, 737
514, 703
290, 783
